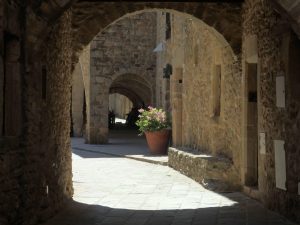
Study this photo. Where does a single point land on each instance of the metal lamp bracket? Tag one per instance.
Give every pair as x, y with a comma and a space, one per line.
167, 71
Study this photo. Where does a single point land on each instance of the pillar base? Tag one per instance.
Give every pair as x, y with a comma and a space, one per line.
97, 136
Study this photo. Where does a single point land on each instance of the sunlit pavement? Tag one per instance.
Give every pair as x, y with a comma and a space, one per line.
124, 143
119, 191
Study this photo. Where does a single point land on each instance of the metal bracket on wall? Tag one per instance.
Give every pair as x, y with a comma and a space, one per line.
167, 71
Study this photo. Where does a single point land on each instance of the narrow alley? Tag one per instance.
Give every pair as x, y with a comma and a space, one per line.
114, 190
213, 86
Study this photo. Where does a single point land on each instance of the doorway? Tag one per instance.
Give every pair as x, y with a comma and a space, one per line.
251, 126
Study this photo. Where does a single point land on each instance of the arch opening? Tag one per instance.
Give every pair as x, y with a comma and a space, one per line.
133, 53
138, 89
120, 105
42, 41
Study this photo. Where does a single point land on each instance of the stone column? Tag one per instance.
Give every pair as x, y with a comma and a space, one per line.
97, 129
176, 102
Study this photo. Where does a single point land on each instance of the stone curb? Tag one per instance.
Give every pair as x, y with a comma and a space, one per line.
124, 156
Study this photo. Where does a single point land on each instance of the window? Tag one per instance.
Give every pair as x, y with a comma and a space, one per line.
216, 91
11, 124
2, 96
44, 82
196, 53
251, 178
168, 26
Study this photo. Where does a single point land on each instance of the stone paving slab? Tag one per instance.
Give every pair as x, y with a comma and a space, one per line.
123, 143
121, 191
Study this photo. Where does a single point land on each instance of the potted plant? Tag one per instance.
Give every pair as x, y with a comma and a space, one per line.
155, 125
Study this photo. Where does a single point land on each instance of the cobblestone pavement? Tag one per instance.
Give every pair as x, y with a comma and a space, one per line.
119, 191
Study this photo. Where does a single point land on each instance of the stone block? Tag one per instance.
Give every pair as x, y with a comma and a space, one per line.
214, 173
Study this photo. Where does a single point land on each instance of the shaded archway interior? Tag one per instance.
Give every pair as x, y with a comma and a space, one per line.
133, 87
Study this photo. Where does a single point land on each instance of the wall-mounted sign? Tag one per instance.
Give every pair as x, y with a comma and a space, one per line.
280, 92
280, 165
262, 143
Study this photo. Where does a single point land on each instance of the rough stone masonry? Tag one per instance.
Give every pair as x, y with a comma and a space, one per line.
40, 42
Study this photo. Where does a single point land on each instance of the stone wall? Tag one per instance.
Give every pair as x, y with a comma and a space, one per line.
46, 179
35, 158
28, 165
58, 148
80, 93
123, 48
11, 115
163, 57
197, 49
214, 173
276, 52
203, 129
223, 16
10, 187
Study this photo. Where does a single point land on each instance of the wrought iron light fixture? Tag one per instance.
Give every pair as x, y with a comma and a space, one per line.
167, 71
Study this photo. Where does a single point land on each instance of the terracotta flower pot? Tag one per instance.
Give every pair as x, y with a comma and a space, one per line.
158, 141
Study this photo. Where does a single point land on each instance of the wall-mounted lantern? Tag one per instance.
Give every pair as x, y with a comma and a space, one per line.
159, 48
167, 71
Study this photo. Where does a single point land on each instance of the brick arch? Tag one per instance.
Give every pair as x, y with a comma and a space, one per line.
90, 17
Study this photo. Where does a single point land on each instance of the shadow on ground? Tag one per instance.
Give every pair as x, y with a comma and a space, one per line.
246, 212
114, 191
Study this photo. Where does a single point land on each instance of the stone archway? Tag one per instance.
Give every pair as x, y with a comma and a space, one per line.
52, 33
121, 60
133, 97
135, 87
57, 34
90, 17
86, 14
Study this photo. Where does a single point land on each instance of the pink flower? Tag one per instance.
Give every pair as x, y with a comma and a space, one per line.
141, 110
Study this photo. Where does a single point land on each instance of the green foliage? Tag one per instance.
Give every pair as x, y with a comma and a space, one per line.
152, 119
